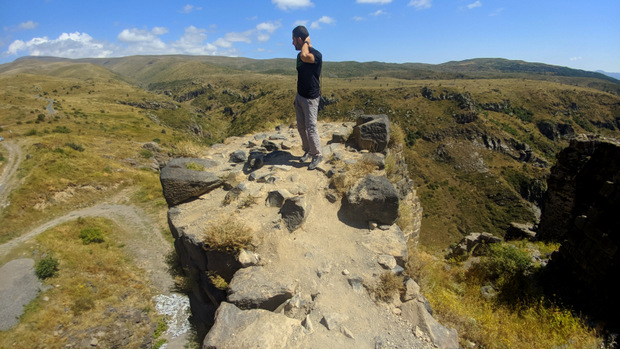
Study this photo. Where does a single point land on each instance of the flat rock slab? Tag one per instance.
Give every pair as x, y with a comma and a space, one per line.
257, 328
255, 287
390, 242
185, 178
18, 287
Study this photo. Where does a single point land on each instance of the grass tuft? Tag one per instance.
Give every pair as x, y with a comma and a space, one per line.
228, 235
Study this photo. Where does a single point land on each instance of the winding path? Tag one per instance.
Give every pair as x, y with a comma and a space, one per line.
8, 180
142, 240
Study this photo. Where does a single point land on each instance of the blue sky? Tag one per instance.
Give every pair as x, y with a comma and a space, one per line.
578, 34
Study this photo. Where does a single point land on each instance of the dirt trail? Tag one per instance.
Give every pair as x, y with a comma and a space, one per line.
143, 241
8, 180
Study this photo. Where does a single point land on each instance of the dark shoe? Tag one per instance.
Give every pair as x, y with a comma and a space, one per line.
315, 162
305, 157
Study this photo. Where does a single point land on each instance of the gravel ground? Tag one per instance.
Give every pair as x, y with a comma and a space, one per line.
18, 287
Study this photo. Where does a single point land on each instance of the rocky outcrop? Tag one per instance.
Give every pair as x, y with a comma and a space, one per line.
581, 211
185, 178
372, 198
372, 132
300, 282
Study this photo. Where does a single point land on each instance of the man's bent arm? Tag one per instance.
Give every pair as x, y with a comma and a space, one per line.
305, 55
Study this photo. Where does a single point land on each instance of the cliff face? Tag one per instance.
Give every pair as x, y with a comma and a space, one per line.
581, 210
306, 278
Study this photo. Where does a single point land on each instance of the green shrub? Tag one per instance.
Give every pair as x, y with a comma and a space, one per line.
61, 129
46, 267
147, 154
74, 146
31, 132
91, 235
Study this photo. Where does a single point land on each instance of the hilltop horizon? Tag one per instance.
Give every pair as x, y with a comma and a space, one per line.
558, 33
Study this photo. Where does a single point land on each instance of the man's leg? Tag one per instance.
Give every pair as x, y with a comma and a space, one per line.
312, 130
301, 122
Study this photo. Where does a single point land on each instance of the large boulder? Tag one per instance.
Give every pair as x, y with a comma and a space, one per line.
372, 132
373, 198
185, 178
236, 328
255, 287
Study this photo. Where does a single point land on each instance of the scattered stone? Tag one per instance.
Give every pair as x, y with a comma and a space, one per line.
248, 258
269, 145
386, 261
238, 156
416, 313
294, 212
307, 324
286, 145
474, 244
339, 137
346, 332
518, 231
333, 320
236, 328
488, 292
357, 283
375, 158
412, 290
276, 198
254, 287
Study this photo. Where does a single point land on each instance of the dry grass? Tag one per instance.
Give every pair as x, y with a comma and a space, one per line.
228, 235
343, 182
458, 304
188, 149
388, 286
91, 280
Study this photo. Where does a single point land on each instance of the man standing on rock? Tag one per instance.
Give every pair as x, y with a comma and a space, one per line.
309, 63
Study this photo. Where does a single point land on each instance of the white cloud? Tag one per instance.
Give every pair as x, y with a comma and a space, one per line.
358, 18
421, 4
265, 29
269, 27
192, 42
190, 8
28, 25
230, 38
378, 13
323, 20
70, 45
292, 4
373, 1
142, 41
474, 5
300, 22
573, 59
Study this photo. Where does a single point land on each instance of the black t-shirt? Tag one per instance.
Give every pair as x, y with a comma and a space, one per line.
308, 74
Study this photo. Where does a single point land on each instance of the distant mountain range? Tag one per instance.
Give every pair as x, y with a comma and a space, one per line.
149, 69
613, 75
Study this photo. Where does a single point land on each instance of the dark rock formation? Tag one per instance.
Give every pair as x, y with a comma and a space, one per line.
581, 210
372, 132
373, 198
294, 212
180, 183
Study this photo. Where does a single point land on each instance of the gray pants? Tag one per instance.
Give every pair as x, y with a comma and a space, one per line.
307, 110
